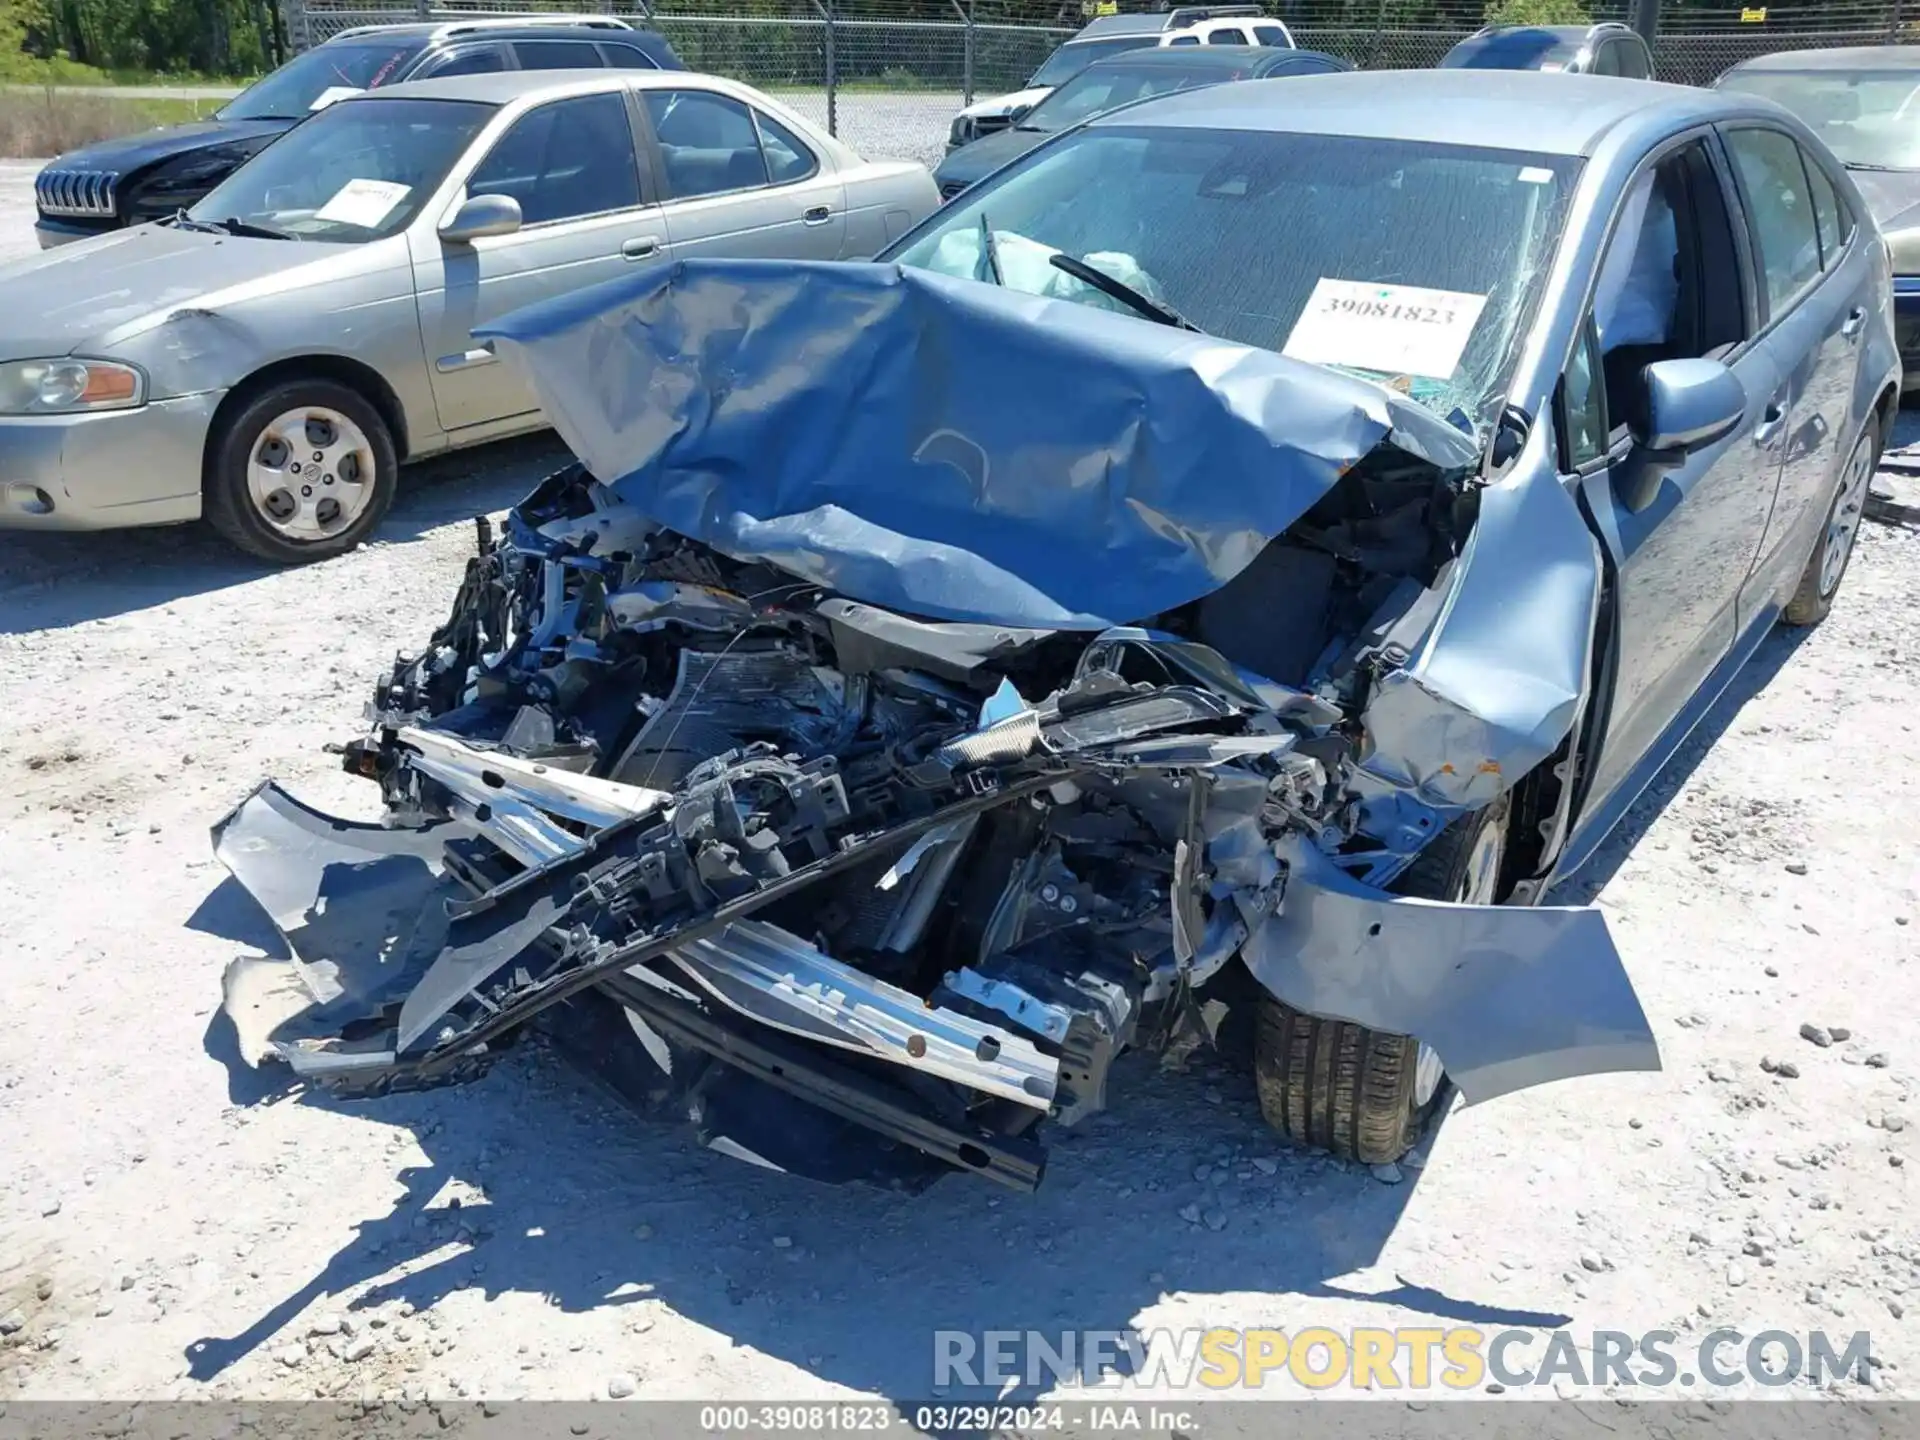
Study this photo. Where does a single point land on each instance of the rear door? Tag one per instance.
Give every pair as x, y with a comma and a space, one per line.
573, 166
1817, 296
738, 183
1672, 285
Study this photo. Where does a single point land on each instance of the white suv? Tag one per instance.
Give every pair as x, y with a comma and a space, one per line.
1257, 31
1109, 35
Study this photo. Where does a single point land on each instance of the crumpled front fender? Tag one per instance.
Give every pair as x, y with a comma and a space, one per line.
1509, 996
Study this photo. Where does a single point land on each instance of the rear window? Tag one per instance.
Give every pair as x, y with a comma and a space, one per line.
1070, 59
1513, 50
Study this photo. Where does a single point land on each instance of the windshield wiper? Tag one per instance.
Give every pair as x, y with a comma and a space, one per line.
180, 220
1121, 291
234, 225
1865, 165
990, 251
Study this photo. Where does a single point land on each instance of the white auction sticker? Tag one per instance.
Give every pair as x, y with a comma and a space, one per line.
332, 93
363, 202
1401, 329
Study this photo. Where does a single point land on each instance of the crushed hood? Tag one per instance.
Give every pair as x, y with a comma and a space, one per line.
947, 447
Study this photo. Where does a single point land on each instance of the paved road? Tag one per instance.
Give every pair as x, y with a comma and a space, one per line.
16, 208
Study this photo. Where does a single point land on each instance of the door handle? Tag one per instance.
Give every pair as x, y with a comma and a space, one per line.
817, 215
1772, 421
1856, 319
482, 354
640, 247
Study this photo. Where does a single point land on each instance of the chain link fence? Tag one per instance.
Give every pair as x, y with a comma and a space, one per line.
888, 76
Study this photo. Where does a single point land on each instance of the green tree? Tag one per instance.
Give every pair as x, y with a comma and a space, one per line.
1537, 12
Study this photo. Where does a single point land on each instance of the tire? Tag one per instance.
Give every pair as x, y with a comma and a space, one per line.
303, 471
1833, 546
1365, 1094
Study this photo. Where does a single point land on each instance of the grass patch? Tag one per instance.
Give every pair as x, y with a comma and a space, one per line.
39, 124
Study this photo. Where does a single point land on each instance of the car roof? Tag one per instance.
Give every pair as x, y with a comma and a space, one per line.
1198, 59
501, 87
1845, 57
481, 26
1107, 26
1550, 114
1571, 33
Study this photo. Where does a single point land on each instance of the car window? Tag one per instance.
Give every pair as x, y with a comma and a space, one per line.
1669, 283
556, 55
1830, 216
1070, 59
1633, 60
627, 57
1583, 404
331, 70
1108, 86
1865, 117
474, 60
1780, 209
355, 172
1228, 35
1417, 233
1270, 35
788, 158
1184, 40
1606, 59
563, 160
708, 143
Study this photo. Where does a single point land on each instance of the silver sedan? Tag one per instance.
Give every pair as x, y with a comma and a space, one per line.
269, 358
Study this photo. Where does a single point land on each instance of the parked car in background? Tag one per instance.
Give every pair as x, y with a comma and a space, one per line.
1233, 31
1438, 452
1864, 103
1122, 80
1608, 48
150, 175
1101, 39
269, 358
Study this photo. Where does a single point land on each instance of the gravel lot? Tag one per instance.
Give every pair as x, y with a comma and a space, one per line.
170, 1227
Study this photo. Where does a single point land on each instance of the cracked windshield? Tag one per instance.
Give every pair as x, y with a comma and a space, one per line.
1412, 264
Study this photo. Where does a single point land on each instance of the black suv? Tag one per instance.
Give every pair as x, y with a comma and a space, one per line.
150, 175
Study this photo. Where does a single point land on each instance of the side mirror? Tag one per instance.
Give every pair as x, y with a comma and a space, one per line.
1685, 405
480, 216
1017, 114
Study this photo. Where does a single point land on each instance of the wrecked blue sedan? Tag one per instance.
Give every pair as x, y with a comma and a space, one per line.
1095, 625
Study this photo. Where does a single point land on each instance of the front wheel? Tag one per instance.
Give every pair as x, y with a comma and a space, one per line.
1364, 1094
303, 471
1833, 547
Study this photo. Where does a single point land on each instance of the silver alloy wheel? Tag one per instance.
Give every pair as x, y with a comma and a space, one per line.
1477, 887
1843, 522
310, 473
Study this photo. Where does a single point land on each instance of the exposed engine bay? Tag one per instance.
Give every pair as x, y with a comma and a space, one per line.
745, 841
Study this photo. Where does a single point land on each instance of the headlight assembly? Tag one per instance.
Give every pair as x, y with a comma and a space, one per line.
69, 386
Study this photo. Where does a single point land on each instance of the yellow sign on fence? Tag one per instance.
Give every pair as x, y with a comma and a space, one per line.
1753, 17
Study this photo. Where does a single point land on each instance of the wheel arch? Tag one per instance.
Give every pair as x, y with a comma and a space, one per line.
357, 376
